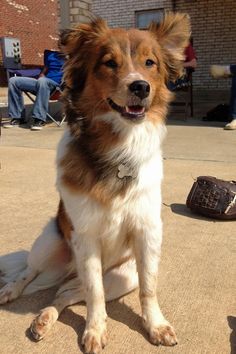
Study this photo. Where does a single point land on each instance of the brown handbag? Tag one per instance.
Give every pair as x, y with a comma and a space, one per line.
213, 197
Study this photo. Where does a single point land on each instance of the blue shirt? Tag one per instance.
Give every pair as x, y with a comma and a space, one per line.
54, 62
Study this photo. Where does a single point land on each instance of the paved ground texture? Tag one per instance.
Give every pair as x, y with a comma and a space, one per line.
197, 277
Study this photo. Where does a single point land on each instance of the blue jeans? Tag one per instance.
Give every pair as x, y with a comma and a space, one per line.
233, 92
41, 88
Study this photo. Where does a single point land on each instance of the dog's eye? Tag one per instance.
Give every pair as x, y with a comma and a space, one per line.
149, 62
111, 64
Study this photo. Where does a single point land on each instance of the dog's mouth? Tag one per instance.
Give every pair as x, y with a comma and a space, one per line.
133, 112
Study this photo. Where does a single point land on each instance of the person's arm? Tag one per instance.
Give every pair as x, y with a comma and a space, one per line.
44, 71
191, 64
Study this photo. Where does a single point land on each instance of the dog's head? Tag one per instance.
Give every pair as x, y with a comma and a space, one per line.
119, 75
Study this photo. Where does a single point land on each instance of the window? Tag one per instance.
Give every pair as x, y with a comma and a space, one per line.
144, 18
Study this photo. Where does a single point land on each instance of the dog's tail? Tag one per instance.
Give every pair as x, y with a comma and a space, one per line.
50, 258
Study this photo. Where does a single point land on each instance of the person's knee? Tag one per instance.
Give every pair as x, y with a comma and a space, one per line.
13, 81
42, 82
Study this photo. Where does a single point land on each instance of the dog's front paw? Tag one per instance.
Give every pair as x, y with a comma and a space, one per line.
94, 340
43, 323
8, 293
163, 334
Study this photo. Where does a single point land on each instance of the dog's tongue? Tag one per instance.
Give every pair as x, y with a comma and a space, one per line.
135, 109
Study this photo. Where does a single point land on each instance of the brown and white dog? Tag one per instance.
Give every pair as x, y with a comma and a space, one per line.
106, 238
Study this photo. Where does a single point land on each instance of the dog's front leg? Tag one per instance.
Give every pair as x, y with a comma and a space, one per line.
147, 252
88, 258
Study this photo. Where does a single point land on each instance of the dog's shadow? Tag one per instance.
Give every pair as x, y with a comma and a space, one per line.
116, 310
121, 312
33, 303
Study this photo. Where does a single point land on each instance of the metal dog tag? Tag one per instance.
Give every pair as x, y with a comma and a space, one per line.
126, 171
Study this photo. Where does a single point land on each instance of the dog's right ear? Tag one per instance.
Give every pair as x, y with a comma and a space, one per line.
83, 35
78, 45
69, 40
64, 39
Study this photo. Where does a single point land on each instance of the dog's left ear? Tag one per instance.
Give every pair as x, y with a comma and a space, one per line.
173, 35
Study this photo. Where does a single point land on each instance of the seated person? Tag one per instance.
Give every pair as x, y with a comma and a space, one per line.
189, 64
49, 79
219, 71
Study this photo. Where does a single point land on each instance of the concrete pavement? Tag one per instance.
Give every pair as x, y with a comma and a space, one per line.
198, 266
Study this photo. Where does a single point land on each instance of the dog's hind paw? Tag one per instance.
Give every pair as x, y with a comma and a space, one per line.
93, 341
8, 293
164, 335
43, 323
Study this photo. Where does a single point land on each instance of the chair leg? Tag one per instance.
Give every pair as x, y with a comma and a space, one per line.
191, 108
48, 115
186, 110
56, 122
63, 119
29, 96
191, 101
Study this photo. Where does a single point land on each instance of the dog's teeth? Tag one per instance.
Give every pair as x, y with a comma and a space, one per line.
135, 110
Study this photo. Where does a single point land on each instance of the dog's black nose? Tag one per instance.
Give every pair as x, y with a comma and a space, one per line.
140, 88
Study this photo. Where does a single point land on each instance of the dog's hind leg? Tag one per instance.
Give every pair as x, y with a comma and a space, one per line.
47, 265
117, 282
121, 280
13, 289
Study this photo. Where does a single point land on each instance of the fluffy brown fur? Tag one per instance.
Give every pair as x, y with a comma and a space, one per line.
89, 83
107, 236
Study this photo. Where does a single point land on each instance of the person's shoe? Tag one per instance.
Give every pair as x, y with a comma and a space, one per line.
231, 125
37, 124
15, 122
218, 71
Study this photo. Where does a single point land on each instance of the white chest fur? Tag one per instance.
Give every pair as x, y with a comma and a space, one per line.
142, 201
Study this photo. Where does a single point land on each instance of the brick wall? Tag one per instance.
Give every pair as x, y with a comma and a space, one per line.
122, 13
214, 33
80, 11
213, 29
34, 22
72, 12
